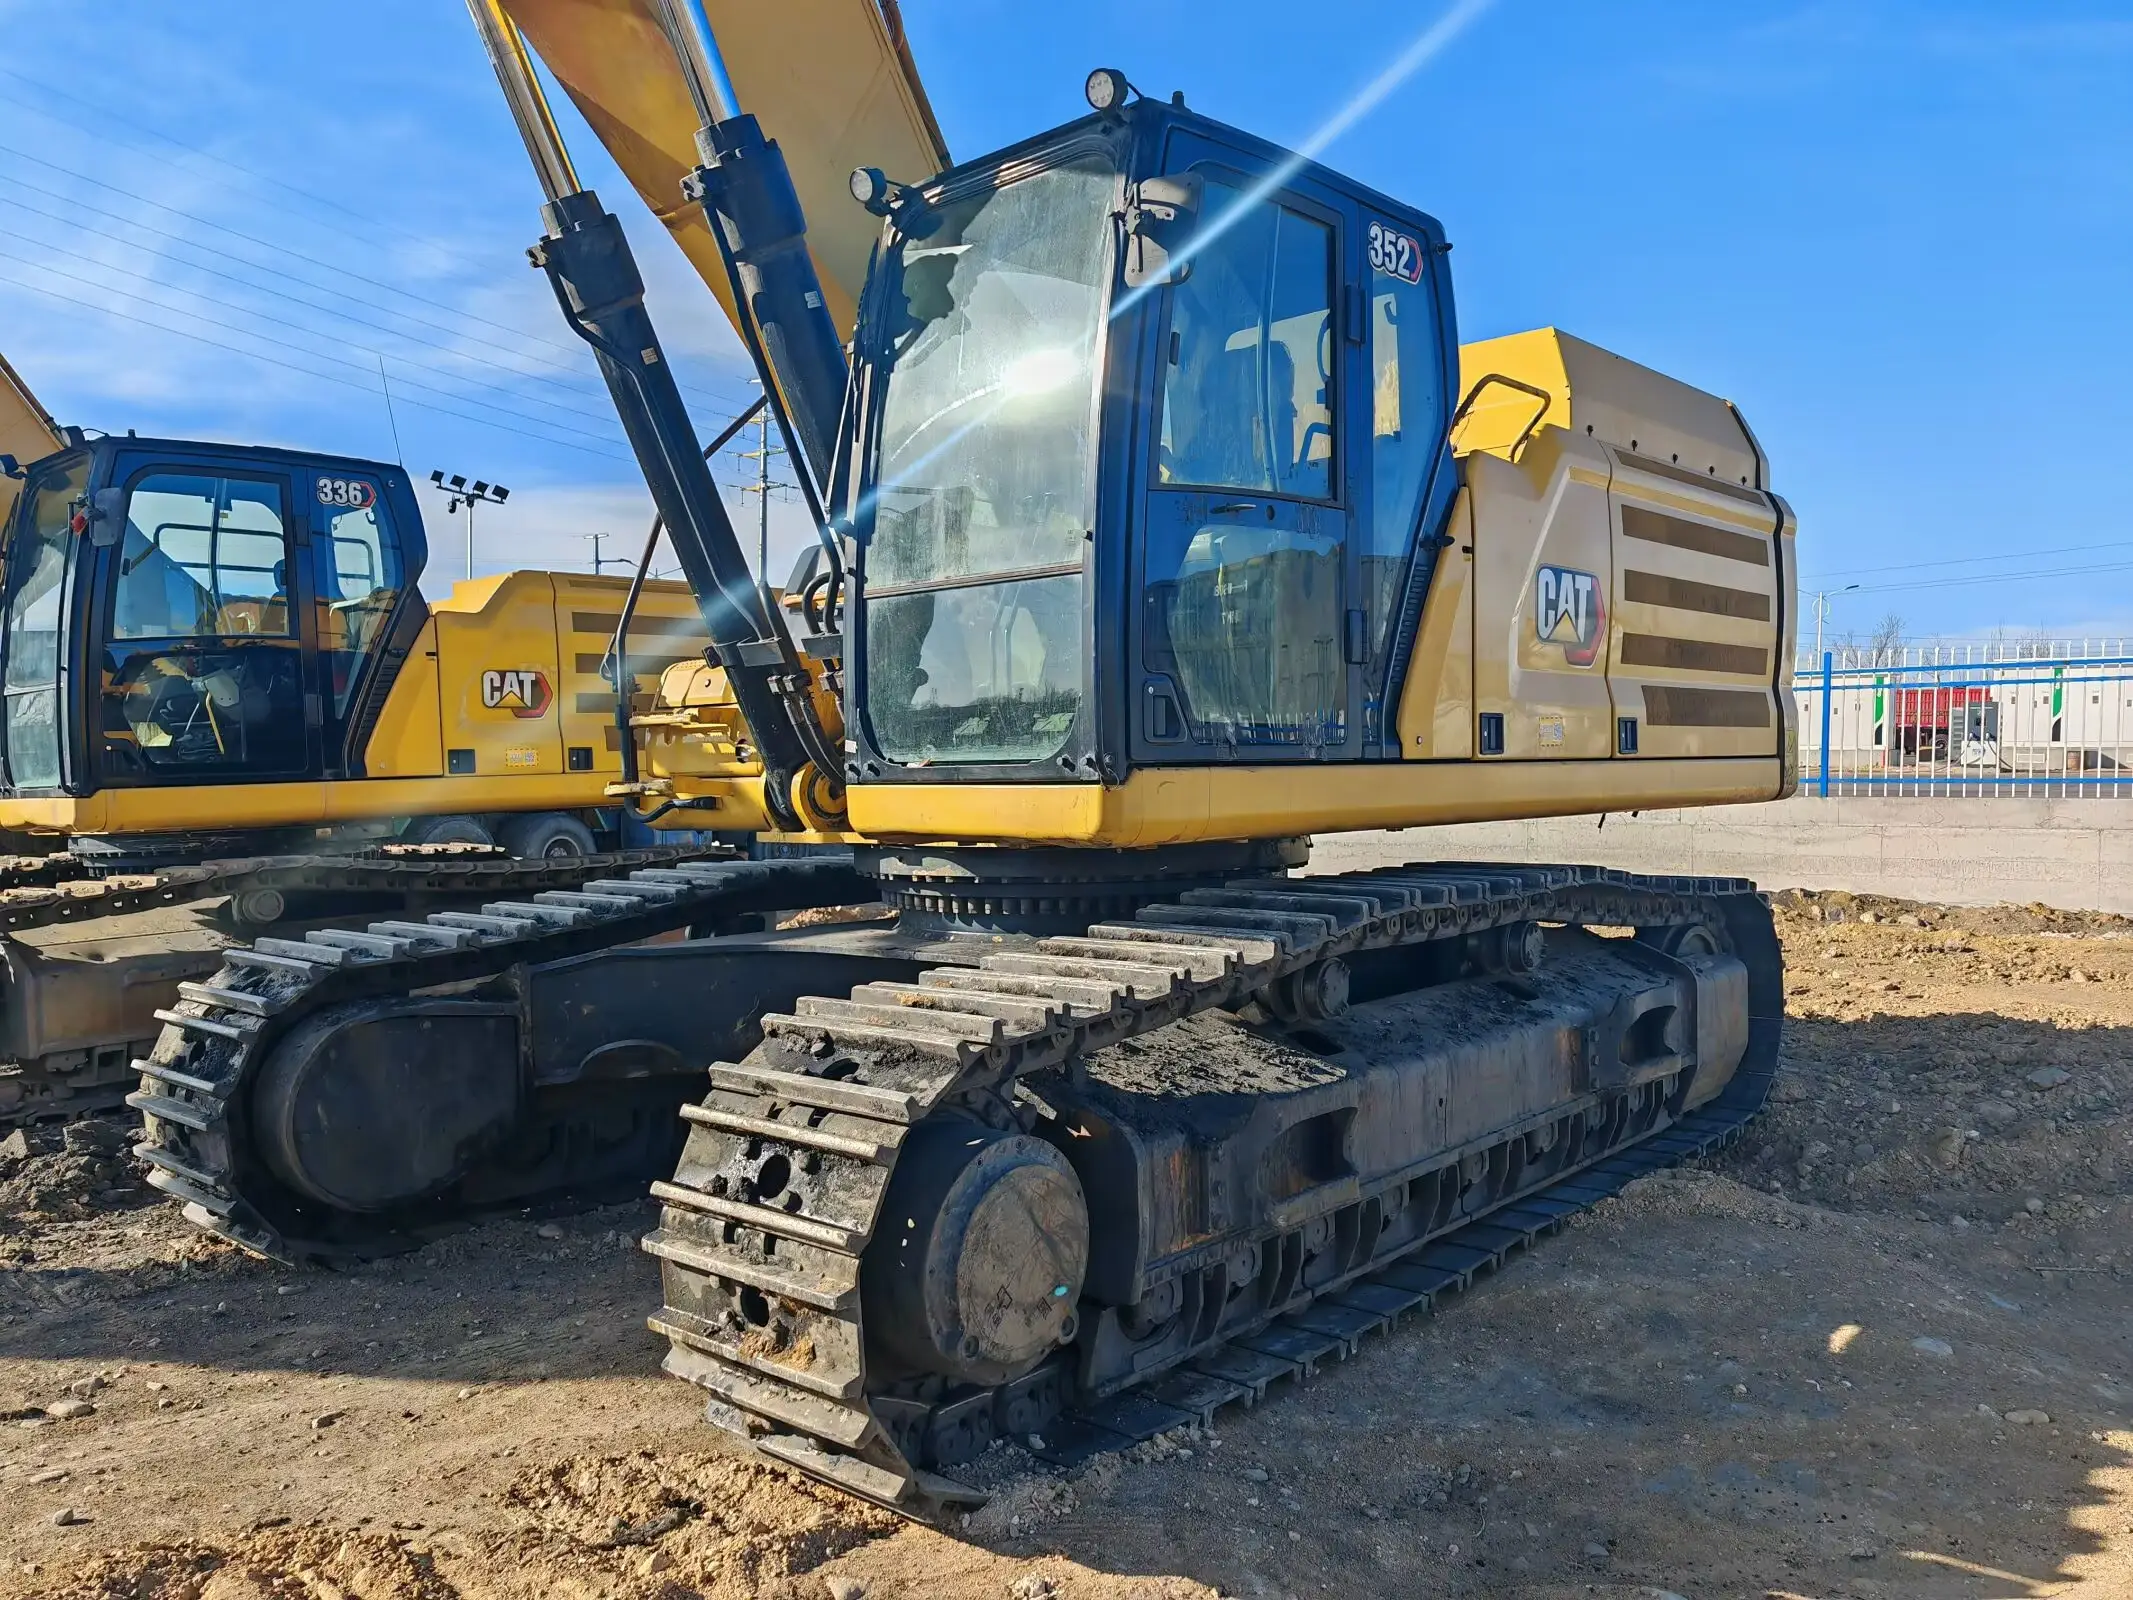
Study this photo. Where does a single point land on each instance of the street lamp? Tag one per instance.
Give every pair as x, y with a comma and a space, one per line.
469, 495
1822, 612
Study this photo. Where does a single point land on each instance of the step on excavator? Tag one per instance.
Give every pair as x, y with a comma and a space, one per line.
1164, 523
228, 709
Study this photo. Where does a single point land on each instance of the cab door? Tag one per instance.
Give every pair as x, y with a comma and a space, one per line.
1248, 633
206, 637
359, 579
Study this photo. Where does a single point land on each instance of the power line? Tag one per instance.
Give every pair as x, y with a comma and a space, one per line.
298, 255
284, 344
1996, 577
1968, 561
763, 486
97, 126
290, 366
517, 396
279, 294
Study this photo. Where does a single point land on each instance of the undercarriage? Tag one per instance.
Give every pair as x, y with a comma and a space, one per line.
89, 962
941, 1186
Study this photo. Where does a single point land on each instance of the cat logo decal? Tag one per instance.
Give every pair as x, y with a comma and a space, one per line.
1570, 609
519, 690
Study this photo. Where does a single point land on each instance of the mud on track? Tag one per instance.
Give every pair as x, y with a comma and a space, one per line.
1813, 1371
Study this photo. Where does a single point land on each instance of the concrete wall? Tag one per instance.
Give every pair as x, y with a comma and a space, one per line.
2075, 854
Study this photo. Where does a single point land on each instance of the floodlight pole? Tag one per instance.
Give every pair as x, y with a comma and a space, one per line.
469, 495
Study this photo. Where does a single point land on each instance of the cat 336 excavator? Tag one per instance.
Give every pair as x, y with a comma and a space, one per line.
228, 706
1164, 524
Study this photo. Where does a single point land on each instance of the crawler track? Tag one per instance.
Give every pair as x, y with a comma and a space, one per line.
45, 892
192, 1094
763, 1277
401, 870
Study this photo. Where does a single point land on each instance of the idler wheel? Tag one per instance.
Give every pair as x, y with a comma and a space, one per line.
977, 1263
381, 1105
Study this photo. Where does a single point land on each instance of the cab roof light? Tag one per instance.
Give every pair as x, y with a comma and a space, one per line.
1107, 88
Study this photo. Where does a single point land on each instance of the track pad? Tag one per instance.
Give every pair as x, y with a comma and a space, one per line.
382, 1104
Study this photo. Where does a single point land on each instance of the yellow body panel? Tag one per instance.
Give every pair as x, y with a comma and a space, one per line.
1185, 804
27, 432
831, 80
508, 669
491, 639
1435, 719
1691, 559
407, 741
1548, 509
504, 625
1603, 396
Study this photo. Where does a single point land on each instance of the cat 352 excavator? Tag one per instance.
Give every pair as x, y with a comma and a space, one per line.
1164, 524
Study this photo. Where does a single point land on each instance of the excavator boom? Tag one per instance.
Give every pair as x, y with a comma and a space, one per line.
850, 98
27, 431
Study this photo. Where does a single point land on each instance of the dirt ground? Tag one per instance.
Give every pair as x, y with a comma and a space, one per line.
1881, 1349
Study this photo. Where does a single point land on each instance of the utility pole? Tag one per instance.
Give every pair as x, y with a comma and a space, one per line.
762, 488
599, 560
469, 495
1822, 612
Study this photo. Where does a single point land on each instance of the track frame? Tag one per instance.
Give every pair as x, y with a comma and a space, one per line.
763, 1291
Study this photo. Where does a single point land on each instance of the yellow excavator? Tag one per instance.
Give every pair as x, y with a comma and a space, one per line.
218, 661
218, 650
1164, 523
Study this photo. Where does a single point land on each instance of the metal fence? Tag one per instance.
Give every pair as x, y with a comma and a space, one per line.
2041, 718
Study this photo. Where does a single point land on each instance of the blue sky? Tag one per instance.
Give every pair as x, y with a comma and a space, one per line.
1895, 233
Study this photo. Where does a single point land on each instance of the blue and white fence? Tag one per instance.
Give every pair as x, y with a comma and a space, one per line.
1988, 720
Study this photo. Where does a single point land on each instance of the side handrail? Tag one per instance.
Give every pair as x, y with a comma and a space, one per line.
1545, 398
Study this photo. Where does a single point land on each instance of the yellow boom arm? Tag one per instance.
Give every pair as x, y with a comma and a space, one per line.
27, 432
831, 80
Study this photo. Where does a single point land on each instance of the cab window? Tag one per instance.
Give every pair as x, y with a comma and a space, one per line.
1248, 391
360, 582
203, 557
202, 673
1406, 436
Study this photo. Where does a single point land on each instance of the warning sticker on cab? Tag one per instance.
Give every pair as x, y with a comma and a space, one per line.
522, 756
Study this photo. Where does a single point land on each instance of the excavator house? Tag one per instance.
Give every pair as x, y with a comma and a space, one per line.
1164, 524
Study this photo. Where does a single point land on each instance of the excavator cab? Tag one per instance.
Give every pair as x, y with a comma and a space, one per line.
179, 614
1151, 463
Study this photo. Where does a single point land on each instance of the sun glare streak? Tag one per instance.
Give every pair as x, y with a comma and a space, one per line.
1426, 46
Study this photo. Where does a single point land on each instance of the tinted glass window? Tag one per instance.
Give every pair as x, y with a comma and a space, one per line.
984, 472
1246, 620
361, 582
203, 557
986, 432
1248, 395
1407, 438
234, 708
987, 673
38, 561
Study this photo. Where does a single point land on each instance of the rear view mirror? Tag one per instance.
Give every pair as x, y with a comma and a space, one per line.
1160, 219
107, 517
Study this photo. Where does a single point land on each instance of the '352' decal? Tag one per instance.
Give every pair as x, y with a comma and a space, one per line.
1396, 254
